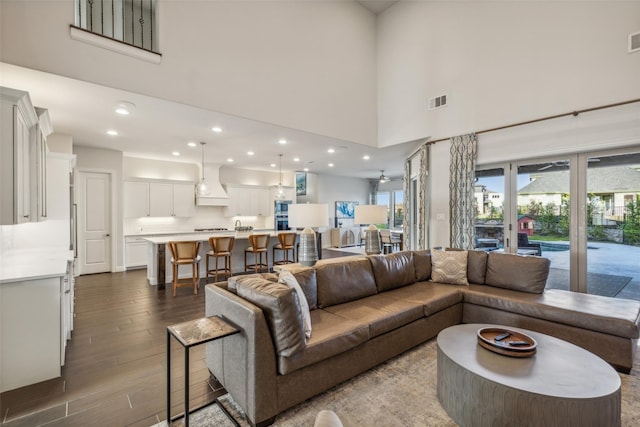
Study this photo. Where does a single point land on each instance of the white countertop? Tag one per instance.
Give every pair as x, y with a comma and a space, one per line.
36, 263
204, 236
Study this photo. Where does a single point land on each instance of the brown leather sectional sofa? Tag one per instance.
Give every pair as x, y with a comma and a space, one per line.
367, 310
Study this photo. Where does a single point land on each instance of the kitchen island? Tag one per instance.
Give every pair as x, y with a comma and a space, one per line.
159, 257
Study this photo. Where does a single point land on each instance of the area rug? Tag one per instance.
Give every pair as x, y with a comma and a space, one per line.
400, 392
606, 285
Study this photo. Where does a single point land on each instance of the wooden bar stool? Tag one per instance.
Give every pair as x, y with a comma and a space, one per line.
221, 247
258, 247
185, 253
287, 242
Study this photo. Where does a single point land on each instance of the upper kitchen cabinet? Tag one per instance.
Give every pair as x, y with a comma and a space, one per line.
249, 200
23, 159
158, 199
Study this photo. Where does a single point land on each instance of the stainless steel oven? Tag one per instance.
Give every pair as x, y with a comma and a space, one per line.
281, 214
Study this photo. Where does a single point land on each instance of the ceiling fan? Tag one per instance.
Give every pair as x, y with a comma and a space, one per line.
383, 177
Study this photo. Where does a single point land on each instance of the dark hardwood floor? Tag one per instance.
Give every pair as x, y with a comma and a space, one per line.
115, 370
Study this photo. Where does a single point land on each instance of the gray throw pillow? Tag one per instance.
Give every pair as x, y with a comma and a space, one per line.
281, 309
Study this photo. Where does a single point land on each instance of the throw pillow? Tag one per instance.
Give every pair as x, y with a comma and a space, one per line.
393, 270
422, 264
449, 267
281, 310
288, 279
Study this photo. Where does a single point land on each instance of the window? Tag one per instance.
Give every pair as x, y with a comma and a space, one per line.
129, 21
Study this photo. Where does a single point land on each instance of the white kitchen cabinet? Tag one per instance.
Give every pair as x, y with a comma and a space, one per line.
17, 117
136, 252
30, 329
39, 151
183, 200
158, 199
249, 200
136, 199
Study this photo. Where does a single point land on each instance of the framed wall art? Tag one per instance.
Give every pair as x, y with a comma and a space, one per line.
301, 184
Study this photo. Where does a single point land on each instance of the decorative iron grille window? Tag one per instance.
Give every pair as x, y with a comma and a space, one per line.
130, 21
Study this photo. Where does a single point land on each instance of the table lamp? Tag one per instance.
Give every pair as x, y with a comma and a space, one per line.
372, 215
306, 216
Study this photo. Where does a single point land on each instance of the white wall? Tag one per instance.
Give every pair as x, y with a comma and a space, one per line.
500, 63
308, 65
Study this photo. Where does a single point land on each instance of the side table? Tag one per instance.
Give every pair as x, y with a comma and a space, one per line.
191, 334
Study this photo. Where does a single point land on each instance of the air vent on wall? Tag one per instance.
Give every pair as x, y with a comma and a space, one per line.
634, 42
438, 102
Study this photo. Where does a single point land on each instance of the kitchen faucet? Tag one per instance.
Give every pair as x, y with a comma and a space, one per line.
237, 224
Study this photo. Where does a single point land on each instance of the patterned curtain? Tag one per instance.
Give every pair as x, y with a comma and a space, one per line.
374, 184
423, 224
422, 207
406, 187
461, 181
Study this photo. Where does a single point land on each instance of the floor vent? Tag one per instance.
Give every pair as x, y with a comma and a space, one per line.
634, 42
438, 102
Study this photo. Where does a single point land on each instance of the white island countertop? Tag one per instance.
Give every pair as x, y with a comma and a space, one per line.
37, 263
204, 236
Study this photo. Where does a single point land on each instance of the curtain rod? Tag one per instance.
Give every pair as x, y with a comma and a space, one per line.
542, 119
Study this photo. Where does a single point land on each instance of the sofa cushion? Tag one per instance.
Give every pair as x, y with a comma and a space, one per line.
332, 335
344, 282
289, 279
307, 280
281, 309
612, 316
434, 297
422, 265
449, 267
381, 312
517, 272
393, 270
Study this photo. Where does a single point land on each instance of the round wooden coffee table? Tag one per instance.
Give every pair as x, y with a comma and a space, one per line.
561, 385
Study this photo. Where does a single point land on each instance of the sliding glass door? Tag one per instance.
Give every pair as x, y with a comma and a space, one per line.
612, 224
582, 212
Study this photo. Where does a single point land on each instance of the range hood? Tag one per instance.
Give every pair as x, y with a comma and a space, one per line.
217, 196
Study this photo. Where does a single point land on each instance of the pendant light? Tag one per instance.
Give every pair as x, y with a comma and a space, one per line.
201, 188
280, 191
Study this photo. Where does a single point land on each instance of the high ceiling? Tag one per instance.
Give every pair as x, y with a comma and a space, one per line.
156, 128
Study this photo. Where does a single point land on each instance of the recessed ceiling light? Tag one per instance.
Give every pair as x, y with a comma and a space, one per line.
192, 144
112, 132
230, 160
250, 153
273, 165
366, 157
306, 169
296, 159
175, 153
125, 108
330, 165
282, 141
216, 129
331, 151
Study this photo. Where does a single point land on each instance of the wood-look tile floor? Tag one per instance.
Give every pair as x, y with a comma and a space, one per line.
115, 370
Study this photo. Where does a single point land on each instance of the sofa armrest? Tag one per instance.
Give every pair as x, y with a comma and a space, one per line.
244, 363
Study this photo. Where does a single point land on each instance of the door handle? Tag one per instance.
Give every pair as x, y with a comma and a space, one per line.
107, 235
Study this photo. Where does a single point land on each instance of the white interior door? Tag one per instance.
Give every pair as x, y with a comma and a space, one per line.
94, 222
